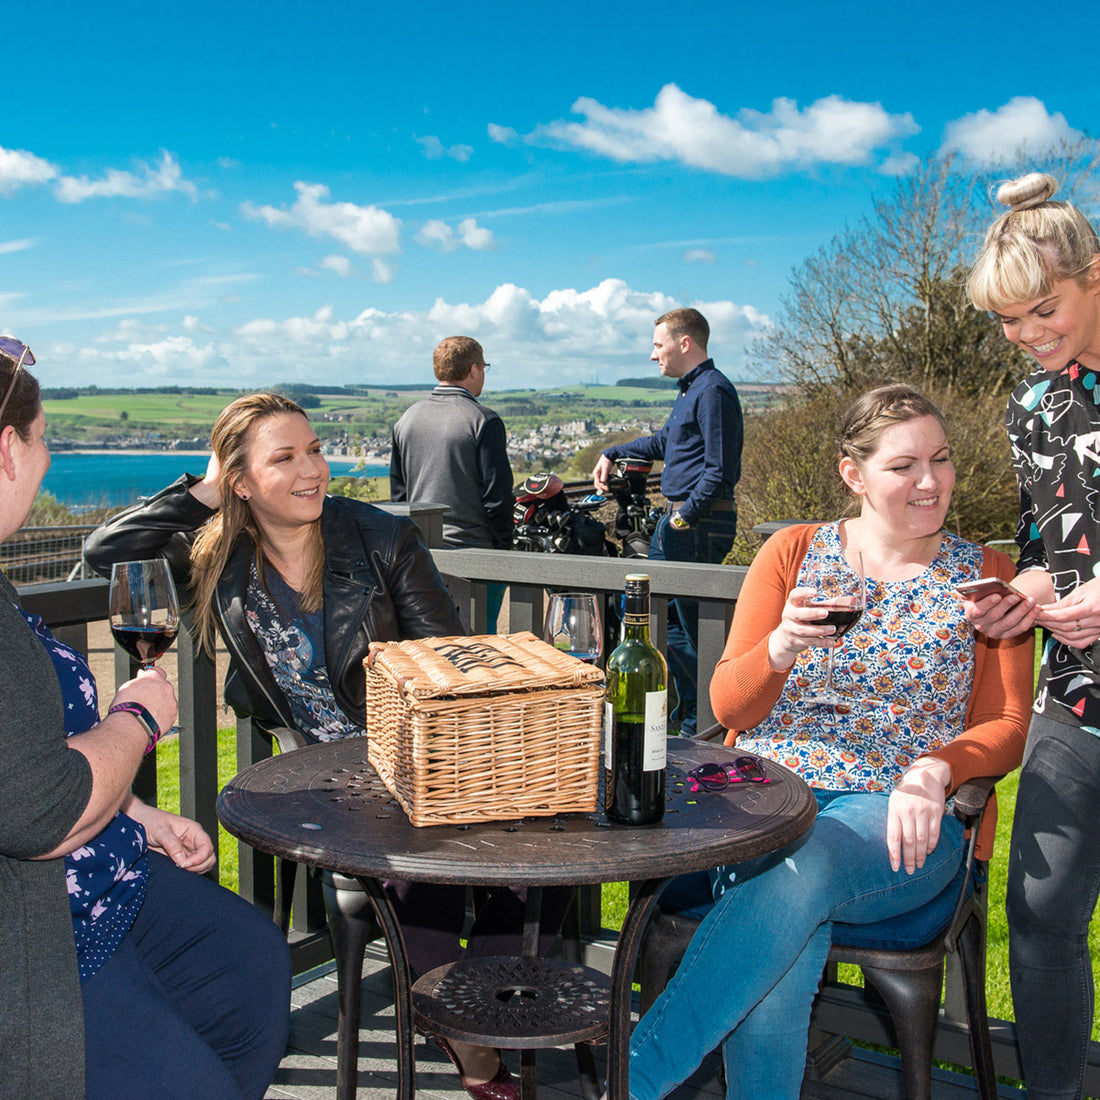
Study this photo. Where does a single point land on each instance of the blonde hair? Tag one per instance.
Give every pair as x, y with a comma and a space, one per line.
1035, 244
210, 553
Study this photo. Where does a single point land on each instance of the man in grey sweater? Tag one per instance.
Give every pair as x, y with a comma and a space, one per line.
449, 449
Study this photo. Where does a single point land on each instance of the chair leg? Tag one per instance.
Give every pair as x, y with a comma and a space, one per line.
286, 871
663, 946
352, 926
971, 947
913, 998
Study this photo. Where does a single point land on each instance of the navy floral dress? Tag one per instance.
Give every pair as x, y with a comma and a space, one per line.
106, 878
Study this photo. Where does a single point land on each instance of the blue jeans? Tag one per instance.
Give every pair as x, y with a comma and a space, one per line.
195, 1002
1053, 882
708, 541
749, 976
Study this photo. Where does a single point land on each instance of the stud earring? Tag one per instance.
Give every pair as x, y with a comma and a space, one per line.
244, 496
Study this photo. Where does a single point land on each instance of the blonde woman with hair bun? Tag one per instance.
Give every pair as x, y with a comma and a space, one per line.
1038, 273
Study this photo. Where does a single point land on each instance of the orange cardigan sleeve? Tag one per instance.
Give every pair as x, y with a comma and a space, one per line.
745, 687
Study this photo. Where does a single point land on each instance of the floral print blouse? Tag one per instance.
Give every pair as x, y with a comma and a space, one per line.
106, 877
293, 642
905, 670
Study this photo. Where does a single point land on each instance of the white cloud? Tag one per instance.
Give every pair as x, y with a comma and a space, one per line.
899, 164
434, 149
699, 256
992, 136
17, 246
340, 264
468, 234
752, 145
150, 180
367, 230
18, 168
502, 135
175, 359
569, 335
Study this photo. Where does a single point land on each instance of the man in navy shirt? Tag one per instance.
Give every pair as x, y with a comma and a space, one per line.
701, 447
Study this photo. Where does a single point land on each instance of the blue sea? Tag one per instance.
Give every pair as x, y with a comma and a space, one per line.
118, 477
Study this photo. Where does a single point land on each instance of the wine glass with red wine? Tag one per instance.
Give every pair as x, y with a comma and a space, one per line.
145, 610
842, 590
573, 625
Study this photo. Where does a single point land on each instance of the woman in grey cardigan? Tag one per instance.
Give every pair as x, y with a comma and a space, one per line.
124, 972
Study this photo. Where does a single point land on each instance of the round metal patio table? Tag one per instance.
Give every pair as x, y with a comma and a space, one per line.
325, 806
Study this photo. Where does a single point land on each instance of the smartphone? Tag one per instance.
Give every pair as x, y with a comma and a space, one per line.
986, 586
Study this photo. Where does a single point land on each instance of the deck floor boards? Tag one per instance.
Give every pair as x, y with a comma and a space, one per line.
308, 1072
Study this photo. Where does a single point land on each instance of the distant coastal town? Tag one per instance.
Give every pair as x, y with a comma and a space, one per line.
543, 428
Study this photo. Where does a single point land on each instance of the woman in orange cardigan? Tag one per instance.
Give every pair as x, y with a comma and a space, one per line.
929, 705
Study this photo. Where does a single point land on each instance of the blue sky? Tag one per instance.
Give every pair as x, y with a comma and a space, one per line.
243, 194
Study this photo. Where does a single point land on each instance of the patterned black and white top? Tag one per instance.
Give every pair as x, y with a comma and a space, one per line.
293, 642
1053, 423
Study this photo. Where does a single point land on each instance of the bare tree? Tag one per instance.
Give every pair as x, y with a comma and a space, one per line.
885, 301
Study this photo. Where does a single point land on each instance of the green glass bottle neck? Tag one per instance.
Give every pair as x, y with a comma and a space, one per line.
636, 617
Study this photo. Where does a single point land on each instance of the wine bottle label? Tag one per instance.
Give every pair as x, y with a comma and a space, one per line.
634, 619
656, 730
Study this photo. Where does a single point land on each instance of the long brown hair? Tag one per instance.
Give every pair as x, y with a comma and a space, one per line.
230, 441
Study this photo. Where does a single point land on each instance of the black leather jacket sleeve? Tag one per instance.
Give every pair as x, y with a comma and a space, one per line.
380, 584
163, 526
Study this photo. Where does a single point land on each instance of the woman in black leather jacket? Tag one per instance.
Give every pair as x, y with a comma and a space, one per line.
298, 584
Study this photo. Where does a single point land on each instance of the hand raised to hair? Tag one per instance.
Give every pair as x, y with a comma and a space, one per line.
209, 490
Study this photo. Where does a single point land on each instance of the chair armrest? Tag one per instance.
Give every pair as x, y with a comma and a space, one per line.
286, 738
971, 797
711, 733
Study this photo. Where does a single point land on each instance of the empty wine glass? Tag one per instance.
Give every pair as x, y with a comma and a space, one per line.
573, 624
145, 609
841, 589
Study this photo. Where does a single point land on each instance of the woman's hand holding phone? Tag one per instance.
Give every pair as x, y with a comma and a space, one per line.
996, 608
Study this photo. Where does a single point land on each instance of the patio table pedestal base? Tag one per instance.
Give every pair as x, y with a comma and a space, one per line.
514, 1002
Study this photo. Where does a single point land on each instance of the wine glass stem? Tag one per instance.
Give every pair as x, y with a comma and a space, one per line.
829, 689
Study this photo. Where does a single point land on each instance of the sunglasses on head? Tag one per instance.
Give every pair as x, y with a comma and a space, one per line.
716, 777
21, 356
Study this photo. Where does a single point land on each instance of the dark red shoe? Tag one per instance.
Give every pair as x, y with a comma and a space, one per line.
501, 1087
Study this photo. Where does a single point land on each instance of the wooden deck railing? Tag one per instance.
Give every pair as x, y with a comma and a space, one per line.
69, 607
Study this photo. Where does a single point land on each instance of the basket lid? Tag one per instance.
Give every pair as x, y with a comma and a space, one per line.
479, 664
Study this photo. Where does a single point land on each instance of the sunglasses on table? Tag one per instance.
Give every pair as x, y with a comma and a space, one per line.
716, 777
21, 356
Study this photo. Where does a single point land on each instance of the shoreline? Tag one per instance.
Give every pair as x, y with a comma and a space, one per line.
187, 454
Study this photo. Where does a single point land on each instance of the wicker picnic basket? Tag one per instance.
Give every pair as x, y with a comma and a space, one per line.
483, 728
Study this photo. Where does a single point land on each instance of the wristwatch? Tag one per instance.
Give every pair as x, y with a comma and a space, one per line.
679, 522
143, 715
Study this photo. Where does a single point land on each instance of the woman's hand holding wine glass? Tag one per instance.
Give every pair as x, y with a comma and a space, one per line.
145, 618
841, 591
